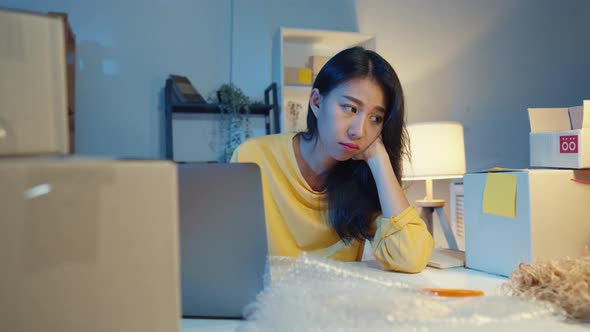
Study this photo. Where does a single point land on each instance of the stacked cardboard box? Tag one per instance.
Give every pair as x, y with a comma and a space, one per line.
305, 75
33, 102
316, 62
70, 56
297, 76
560, 137
514, 216
87, 244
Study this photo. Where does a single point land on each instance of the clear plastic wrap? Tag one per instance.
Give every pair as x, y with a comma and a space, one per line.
310, 293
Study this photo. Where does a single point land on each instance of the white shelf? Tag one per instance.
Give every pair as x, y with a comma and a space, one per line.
324, 38
297, 87
292, 48
299, 92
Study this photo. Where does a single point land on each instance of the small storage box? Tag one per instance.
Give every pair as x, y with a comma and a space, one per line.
560, 137
297, 76
316, 62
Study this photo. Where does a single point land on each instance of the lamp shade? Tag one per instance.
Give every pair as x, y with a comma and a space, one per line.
437, 151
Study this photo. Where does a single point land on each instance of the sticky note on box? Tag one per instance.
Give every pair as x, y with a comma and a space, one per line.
499, 196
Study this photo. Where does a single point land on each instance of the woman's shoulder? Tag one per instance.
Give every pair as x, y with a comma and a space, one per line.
266, 141
263, 147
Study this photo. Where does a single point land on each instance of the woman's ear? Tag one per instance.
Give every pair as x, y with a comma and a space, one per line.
314, 101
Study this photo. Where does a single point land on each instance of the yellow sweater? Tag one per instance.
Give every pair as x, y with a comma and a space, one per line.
295, 214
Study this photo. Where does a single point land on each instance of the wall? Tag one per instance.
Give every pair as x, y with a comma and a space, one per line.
484, 63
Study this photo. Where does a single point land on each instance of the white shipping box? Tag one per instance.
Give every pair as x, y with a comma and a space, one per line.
88, 245
560, 137
551, 219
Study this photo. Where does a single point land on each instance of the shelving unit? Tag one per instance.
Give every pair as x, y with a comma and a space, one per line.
269, 110
292, 48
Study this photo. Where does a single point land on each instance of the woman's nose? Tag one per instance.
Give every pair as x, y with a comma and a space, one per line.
356, 129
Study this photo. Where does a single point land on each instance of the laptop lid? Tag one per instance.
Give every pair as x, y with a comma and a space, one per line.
223, 246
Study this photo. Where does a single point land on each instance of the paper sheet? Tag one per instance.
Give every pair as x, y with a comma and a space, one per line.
499, 196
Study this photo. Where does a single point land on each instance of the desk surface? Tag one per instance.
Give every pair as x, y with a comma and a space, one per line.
448, 278
430, 277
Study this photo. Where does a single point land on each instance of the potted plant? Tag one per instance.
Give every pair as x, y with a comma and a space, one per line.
235, 124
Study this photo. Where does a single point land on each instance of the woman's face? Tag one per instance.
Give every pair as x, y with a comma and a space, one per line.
349, 118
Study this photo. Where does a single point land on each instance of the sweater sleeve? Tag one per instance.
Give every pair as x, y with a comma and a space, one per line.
402, 243
235, 158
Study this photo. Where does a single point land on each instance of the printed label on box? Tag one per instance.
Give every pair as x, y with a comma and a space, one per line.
568, 144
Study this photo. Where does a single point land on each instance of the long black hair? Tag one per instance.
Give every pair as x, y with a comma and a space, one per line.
353, 201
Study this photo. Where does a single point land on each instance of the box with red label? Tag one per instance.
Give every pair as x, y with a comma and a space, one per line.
560, 137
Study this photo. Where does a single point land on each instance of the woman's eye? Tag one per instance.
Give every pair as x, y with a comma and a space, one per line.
376, 119
349, 108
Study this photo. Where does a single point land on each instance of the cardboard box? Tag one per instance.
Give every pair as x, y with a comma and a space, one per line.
297, 76
33, 97
550, 217
316, 62
70, 39
88, 245
560, 137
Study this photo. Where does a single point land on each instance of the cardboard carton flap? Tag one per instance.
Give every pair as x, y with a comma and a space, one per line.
549, 119
576, 116
580, 121
497, 169
586, 122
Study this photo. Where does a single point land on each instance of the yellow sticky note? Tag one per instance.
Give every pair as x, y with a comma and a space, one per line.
499, 195
305, 76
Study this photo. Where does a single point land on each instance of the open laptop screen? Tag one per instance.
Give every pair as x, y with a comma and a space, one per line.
222, 238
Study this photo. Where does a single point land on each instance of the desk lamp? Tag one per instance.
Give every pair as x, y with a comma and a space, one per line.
437, 152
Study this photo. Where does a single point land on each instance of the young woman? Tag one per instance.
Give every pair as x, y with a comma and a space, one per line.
328, 189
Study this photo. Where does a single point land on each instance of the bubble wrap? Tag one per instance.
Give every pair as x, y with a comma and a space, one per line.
310, 293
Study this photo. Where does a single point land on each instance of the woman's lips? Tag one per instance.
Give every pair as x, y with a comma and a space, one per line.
350, 146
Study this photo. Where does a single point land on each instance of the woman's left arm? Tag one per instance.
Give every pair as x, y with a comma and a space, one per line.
391, 196
402, 241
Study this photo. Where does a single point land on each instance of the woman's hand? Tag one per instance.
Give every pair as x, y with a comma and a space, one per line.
391, 196
374, 150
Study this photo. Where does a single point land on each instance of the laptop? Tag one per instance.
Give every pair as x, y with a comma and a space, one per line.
223, 244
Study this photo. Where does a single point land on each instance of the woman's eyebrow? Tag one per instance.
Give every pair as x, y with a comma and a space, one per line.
360, 103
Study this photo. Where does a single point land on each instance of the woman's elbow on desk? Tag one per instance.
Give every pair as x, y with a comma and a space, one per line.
409, 253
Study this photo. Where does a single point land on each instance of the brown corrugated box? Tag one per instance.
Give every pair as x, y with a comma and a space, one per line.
70, 39
316, 62
297, 76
